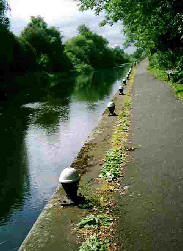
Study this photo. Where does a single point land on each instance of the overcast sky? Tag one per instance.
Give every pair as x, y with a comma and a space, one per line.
65, 15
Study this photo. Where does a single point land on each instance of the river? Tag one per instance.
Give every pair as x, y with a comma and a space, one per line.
40, 134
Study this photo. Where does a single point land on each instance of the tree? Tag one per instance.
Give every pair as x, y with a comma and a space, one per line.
5, 51
145, 21
84, 30
155, 26
4, 21
47, 42
15, 55
90, 49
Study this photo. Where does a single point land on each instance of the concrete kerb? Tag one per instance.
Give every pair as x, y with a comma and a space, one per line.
53, 228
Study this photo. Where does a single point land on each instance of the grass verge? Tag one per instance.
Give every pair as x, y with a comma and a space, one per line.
162, 75
96, 231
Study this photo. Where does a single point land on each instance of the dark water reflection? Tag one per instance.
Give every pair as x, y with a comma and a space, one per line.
40, 134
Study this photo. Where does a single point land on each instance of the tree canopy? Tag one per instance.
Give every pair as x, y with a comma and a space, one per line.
155, 26
47, 42
92, 50
40, 48
4, 21
152, 24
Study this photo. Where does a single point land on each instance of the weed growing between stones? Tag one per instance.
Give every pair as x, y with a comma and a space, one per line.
95, 221
94, 243
100, 225
113, 159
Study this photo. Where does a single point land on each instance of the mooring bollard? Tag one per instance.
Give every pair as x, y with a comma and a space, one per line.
111, 108
124, 81
121, 90
69, 178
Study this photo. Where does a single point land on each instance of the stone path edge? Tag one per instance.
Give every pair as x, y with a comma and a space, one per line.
53, 228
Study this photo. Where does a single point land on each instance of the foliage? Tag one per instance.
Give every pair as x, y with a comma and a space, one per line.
94, 86
8, 42
12, 51
113, 160
162, 75
155, 27
100, 226
178, 74
4, 21
166, 61
89, 51
114, 157
138, 55
120, 57
16, 55
144, 21
40, 48
83, 68
92, 198
47, 43
93, 244
161, 60
95, 221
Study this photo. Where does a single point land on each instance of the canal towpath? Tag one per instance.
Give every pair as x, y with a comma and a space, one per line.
151, 209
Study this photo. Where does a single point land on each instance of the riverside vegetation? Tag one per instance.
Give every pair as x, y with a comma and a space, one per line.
155, 27
96, 231
39, 53
162, 75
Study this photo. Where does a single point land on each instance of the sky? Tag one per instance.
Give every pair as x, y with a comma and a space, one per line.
65, 15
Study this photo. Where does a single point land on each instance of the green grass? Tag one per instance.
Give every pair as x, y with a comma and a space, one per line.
111, 167
109, 172
113, 158
95, 221
162, 75
94, 244
92, 198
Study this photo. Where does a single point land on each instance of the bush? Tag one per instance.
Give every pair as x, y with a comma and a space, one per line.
178, 74
166, 61
162, 60
47, 42
15, 54
83, 68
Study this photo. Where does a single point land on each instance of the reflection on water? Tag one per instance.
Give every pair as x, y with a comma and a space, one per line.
39, 138
14, 174
95, 86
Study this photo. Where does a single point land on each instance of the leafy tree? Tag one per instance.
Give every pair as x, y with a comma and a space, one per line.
88, 50
5, 54
84, 30
155, 26
120, 56
138, 55
24, 56
16, 55
4, 21
147, 23
47, 42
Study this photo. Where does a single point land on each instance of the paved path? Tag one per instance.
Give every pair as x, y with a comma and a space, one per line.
151, 211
